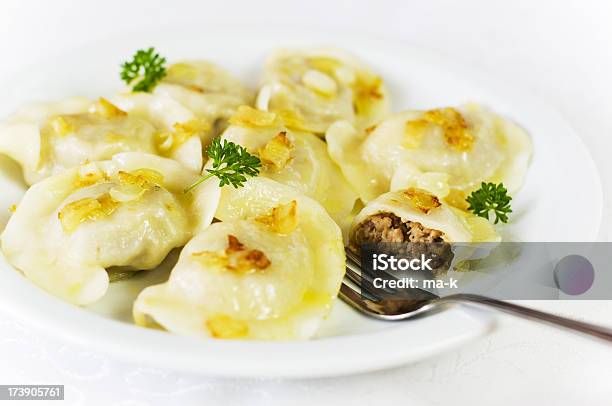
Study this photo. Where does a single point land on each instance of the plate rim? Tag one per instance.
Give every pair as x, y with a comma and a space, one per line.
293, 359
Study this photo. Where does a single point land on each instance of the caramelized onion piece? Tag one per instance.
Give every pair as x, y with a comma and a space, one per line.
422, 200
283, 218
277, 152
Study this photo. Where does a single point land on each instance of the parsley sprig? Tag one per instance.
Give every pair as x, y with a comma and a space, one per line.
490, 197
146, 65
231, 164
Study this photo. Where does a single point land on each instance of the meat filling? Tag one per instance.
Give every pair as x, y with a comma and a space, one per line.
387, 227
414, 238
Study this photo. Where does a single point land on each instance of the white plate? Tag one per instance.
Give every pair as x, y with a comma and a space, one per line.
562, 184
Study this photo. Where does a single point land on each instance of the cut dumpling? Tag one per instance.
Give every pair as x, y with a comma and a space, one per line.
446, 151
127, 212
416, 215
47, 138
317, 87
418, 218
270, 269
209, 91
295, 158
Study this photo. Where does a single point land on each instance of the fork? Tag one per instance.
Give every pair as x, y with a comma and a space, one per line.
422, 303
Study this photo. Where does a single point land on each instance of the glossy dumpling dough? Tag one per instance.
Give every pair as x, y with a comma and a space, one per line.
446, 151
47, 138
295, 158
270, 269
180, 133
209, 91
320, 86
128, 212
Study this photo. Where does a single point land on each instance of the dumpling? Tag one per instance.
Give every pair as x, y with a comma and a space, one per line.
447, 151
180, 132
424, 224
48, 138
127, 212
270, 269
295, 158
415, 215
209, 91
320, 86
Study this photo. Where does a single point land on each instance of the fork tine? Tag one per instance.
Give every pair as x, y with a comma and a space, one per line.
368, 300
353, 256
353, 272
355, 259
350, 295
355, 275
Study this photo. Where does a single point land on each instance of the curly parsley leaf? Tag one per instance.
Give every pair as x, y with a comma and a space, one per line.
231, 164
490, 197
144, 70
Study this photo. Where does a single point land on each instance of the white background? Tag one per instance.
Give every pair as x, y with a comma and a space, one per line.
559, 50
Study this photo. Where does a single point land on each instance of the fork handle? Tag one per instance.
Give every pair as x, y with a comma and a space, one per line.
532, 314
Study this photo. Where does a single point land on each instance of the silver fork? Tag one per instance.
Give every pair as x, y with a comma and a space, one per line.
422, 303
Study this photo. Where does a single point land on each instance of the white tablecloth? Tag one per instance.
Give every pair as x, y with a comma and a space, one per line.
560, 50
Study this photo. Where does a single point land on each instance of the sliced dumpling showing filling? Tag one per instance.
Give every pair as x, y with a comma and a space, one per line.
128, 212
207, 90
320, 86
448, 151
270, 269
420, 224
295, 158
47, 138
416, 215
